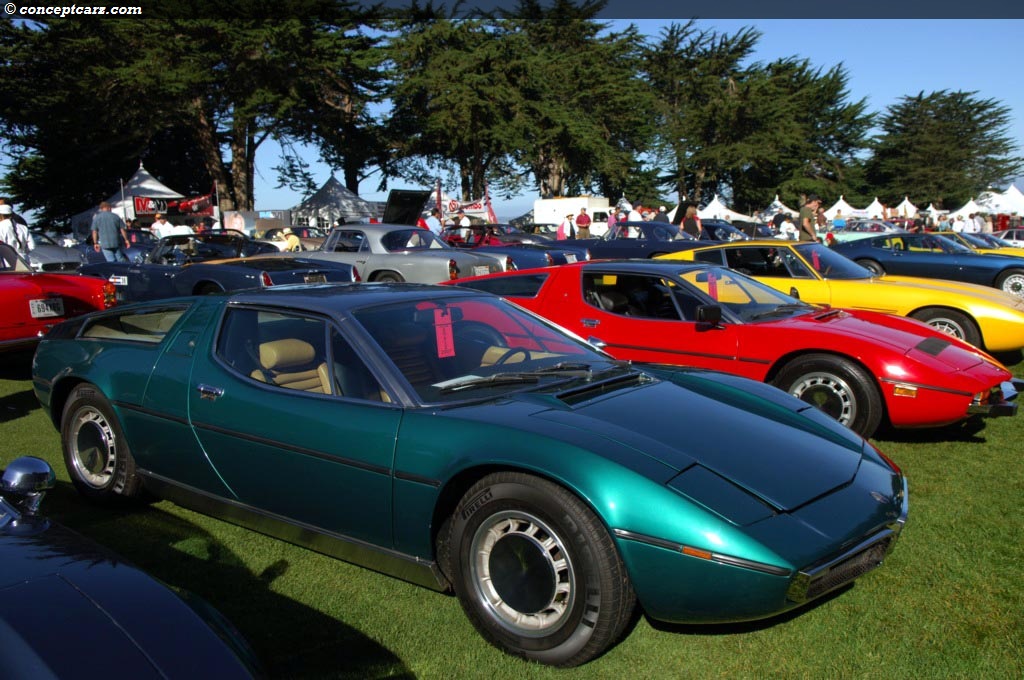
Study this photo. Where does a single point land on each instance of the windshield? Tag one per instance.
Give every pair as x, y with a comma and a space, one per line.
411, 239
994, 241
450, 350
944, 243
745, 298
197, 248
830, 264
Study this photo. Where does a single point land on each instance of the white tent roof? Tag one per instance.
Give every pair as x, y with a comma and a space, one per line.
718, 210
839, 206
334, 201
968, 208
875, 209
141, 184
1009, 201
906, 208
1015, 199
778, 206
932, 210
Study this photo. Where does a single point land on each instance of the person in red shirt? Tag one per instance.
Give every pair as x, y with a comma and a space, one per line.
583, 224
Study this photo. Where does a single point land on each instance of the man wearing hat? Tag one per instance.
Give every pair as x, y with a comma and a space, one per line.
566, 228
13, 233
808, 213
292, 242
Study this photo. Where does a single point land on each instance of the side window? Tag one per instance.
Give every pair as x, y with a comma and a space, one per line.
347, 242
793, 266
630, 295
709, 256
150, 326
284, 350
352, 378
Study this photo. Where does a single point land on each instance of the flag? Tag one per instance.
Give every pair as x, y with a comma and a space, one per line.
491, 217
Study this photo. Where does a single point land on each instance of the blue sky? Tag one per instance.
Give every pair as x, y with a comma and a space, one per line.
885, 59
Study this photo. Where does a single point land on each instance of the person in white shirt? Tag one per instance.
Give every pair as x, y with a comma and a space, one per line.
15, 234
161, 227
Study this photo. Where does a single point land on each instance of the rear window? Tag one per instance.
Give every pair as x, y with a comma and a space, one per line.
150, 326
526, 286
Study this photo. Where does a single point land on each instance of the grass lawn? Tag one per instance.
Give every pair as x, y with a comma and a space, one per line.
948, 603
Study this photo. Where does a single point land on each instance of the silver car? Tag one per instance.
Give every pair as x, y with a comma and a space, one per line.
393, 252
51, 256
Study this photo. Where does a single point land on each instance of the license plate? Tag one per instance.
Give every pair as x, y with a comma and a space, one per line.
315, 278
570, 258
481, 270
46, 308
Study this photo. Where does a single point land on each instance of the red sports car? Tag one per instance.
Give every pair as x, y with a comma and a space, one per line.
859, 367
30, 302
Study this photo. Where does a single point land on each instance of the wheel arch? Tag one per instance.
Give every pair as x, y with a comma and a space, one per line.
201, 287
377, 273
59, 394
964, 311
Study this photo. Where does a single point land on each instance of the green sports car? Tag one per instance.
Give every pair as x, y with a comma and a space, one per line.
455, 440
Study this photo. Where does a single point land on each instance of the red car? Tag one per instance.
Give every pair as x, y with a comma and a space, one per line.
859, 367
31, 302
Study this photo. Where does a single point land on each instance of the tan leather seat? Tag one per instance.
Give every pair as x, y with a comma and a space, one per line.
292, 364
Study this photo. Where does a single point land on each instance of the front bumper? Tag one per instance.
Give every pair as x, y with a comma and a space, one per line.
999, 403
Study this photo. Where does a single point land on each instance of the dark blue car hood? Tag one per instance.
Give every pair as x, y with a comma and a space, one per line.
760, 438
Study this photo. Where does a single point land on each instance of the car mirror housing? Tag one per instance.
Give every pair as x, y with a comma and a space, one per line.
25, 481
709, 314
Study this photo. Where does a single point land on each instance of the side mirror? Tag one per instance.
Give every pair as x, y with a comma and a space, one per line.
25, 481
597, 342
793, 292
709, 314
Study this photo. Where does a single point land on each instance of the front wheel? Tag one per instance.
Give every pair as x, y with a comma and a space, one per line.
96, 453
1012, 281
536, 571
837, 386
872, 266
950, 322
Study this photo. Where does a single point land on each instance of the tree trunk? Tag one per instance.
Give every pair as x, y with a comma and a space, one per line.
207, 139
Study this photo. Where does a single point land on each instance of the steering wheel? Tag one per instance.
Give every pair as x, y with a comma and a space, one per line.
511, 353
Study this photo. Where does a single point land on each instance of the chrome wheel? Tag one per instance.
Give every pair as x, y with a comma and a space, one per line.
522, 573
1014, 284
948, 326
829, 393
93, 448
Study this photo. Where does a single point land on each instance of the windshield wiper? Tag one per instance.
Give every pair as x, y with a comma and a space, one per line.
781, 310
470, 382
572, 367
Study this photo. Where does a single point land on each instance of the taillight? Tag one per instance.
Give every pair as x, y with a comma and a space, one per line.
355, 275
109, 295
548, 260
453, 270
265, 279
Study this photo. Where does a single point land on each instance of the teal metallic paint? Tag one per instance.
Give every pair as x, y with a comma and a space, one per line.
332, 471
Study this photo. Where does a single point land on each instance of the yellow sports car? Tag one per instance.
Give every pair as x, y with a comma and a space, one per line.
987, 244
985, 317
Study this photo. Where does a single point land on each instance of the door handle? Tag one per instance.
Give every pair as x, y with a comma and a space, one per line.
590, 323
209, 392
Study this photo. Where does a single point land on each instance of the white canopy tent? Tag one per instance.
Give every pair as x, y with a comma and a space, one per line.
123, 201
875, 209
333, 201
969, 208
718, 210
778, 206
906, 208
1014, 199
1009, 201
839, 206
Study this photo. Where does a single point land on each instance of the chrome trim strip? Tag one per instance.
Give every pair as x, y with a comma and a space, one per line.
417, 479
149, 412
728, 560
400, 565
797, 591
705, 355
893, 381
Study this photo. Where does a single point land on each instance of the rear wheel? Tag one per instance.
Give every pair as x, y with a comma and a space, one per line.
96, 453
951, 322
536, 571
837, 386
208, 289
388, 277
872, 266
1012, 281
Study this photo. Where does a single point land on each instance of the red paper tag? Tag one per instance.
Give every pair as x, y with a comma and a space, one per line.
712, 285
816, 261
443, 329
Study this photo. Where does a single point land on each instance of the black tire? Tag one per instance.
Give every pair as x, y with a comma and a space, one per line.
951, 322
837, 386
388, 277
872, 266
96, 453
1012, 282
521, 546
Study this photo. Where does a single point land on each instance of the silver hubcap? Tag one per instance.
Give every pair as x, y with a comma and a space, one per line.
522, 573
92, 445
1014, 284
829, 393
947, 326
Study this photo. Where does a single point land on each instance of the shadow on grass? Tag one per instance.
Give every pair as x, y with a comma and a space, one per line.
741, 627
290, 638
1009, 358
17, 405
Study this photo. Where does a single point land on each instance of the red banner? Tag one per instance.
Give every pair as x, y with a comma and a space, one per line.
200, 206
145, 205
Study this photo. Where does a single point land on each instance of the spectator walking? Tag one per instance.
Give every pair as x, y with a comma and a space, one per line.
808, 218
109, 235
